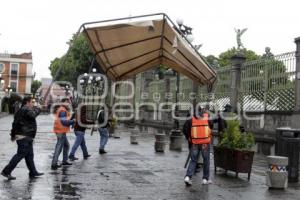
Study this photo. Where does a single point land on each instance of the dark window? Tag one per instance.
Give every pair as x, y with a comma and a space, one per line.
14, 69
13, 85
1, 67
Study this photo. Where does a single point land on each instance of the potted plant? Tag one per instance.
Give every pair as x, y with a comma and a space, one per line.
233, 151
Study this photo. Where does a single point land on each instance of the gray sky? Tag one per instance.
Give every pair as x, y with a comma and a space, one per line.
45, 26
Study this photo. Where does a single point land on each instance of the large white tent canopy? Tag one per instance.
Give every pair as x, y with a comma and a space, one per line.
128, 46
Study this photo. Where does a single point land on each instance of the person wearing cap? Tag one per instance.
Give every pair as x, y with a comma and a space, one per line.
61, 127
198, 132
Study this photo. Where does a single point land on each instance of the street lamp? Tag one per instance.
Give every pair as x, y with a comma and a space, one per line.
185, 32
84, 82
67, 89
1, 88
92, 83
1, 82
8, 90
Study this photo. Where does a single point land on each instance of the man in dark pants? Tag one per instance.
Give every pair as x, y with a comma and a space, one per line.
24, 131
79, 130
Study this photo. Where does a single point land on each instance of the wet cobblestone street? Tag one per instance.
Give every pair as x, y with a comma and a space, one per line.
125, 172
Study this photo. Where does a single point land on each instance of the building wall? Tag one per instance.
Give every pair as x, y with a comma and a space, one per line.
29, 79
25, 75
5, 73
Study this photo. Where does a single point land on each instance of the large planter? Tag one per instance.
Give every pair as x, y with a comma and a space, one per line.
133, 137
160, 142
176, 140
233, 160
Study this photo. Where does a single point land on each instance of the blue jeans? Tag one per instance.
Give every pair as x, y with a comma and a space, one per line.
195, 151
103, 137
79, 141
25, 150
62, 144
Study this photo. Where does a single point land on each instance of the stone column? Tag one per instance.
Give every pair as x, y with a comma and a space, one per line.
297, 92
236, 61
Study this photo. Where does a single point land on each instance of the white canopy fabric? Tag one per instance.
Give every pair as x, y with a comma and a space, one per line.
126, 49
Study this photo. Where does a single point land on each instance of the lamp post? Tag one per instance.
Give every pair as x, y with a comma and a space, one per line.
1, 82
92, 82
186, 32
8, 90
1, 90
176, 136
67, 89
83, 83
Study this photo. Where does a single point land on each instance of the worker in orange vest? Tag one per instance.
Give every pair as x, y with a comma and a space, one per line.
62, 125
198, 131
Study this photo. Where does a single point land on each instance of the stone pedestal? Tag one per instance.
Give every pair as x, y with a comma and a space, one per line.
277, 175
160, 142
134, 137
297, 88
176, 140
236, 60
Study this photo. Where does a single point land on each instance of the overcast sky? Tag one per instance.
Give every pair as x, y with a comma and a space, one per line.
43, 27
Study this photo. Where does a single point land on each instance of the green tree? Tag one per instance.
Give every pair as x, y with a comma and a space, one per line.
224, 58
77, 62
35, 86
212, 60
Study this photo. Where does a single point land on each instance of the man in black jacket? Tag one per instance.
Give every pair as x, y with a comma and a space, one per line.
104, 124
80, 125
24, 129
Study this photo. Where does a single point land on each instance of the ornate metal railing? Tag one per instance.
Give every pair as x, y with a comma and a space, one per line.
269, 83
266, 84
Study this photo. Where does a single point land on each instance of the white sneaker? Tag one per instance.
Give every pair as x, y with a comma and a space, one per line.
188, 181
206, 182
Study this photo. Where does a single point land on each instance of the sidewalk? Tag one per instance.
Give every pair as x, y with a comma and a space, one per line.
3, 114
125, 172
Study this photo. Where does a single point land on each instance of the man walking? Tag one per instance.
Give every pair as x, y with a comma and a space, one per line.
62, 125
79, 130
104, 124
24, 129
198, 132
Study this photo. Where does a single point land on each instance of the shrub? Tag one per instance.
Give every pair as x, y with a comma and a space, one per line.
233, 138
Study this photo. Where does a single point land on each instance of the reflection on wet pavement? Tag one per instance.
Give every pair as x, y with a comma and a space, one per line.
126, 172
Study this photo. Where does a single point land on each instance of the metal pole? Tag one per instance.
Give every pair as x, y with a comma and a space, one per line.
176, 122
61, 65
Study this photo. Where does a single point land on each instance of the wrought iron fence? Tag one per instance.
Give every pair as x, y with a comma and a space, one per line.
266, 84
269, 83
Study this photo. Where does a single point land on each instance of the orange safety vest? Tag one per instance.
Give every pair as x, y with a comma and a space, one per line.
200, 131
58, 126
